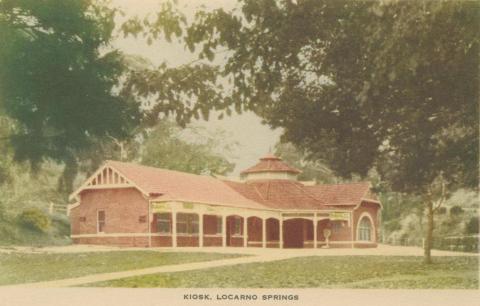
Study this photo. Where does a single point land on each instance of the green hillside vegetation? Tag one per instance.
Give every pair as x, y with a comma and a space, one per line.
33, 201
403, 216
25, 215
403, 221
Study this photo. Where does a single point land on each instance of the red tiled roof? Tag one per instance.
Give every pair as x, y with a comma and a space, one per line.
175, 185
280, 194
277, 194
271, 163
341, 194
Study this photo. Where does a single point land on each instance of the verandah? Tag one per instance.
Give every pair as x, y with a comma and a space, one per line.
189, 224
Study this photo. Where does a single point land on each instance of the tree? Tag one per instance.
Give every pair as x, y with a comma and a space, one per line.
311, 170
71, 94
391, 85
164, 147
57, 81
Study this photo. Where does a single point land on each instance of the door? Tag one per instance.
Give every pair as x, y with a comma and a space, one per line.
293, 233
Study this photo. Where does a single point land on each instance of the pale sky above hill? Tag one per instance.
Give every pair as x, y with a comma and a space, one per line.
254, 139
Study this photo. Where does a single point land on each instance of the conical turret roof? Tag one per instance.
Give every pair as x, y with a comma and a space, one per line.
271, 163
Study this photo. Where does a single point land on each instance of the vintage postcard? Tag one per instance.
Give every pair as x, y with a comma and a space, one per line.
286, 152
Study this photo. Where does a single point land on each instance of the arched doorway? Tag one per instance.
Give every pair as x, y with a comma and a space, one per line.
296, 232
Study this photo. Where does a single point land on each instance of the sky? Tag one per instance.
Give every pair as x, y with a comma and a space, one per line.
253, 139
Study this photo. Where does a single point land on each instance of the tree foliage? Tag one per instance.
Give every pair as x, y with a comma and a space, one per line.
311, 170
390, 84
56, 81
72, 97
164, 147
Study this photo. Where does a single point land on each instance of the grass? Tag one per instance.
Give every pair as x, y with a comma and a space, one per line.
25, 268
323, 272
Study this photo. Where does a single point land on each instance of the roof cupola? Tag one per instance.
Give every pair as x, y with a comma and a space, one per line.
270, 167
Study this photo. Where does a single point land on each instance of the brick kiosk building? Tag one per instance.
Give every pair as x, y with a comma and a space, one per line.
132, 205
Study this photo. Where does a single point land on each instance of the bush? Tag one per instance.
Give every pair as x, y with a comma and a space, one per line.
61, 223
393, 225
472, 226
442, 210
462, 244
456, 210
35, 219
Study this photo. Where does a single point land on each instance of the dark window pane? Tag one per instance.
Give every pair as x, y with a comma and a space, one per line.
219, 225
187, 223
163, 223
101, 221
237, 226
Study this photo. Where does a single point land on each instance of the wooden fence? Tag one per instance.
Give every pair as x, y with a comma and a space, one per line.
57, 208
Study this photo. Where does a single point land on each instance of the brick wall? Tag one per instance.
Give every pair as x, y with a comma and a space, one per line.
115, 241
187, 241
161, 241
235, 241
126, 211
212, 241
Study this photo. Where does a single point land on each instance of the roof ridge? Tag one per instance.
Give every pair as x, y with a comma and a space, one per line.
341, 184
244, 197
259, 193
159, 169
268, 190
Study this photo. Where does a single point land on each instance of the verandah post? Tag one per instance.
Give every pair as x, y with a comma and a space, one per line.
224, 231
245, 231
200, 230
174, 228
264, 231
281, 232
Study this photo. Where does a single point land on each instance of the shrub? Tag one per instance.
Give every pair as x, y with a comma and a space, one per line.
61, 223
472, 226
393, 225
34, 219
442, 210
456, 210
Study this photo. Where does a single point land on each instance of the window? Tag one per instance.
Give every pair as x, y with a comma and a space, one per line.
365, 230
142, 219
101, 221
163, 223
187, 224
218, 225
237, 226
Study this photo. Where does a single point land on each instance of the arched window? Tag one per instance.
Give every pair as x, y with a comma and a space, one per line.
365, 229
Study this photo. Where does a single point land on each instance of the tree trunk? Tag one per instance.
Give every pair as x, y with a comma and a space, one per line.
429, 234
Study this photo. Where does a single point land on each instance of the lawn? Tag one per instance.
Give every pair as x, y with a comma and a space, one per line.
323, 272
25, 268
